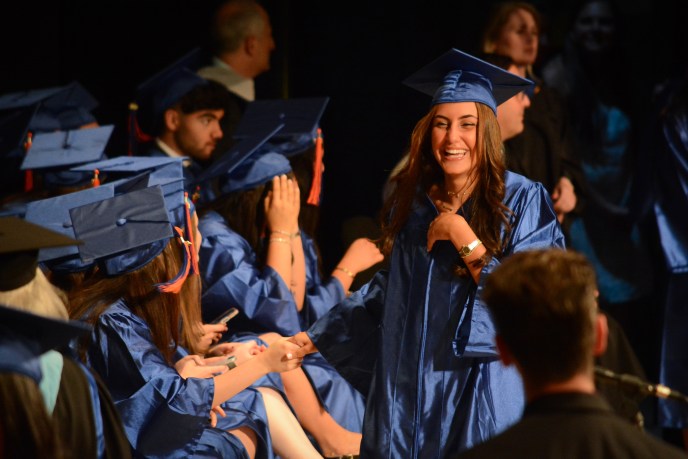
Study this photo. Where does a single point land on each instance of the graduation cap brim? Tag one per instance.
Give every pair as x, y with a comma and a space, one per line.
46, 333
429, 78
300, 116
240, 151
67, 148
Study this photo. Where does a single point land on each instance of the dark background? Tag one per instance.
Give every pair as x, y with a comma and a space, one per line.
357, 53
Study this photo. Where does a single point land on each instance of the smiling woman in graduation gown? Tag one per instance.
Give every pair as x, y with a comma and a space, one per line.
418, 338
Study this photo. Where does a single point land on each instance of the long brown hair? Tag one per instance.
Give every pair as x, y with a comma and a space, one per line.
487, 214
26, 427
172, 318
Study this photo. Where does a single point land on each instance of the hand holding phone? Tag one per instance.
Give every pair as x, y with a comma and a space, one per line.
226, 316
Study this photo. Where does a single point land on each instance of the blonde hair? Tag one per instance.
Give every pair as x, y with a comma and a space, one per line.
39, 297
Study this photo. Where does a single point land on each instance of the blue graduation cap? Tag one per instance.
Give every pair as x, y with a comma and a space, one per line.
241, 150
459, 77
129, 173
255, 170
20, 242
128, 231
53, 214
25, 336
301, 117
53, 153
165, 88
59, 107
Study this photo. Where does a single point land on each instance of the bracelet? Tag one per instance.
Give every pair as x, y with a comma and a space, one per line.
231, 362
346, 271
279, 239
287, 233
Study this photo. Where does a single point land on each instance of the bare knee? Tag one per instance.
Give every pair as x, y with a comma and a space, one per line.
270, 337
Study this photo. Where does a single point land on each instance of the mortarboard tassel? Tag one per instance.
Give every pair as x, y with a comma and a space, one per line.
95, 181
28, 174
314, 195
189, 233
134, 132
175, 285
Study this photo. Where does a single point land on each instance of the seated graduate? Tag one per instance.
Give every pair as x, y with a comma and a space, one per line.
167, 397
73, 410
25, 114
253, 258
301, 141
549, 326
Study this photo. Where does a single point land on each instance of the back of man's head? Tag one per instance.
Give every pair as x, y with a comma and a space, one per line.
234, 21
544, 308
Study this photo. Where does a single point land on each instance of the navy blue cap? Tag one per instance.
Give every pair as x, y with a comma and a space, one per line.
129, 173
241, 151
459, 77
53, 153
20, 242
257, 169
300, 116
165, 88
59, 107
123, 233
25, 336
67, 148
53, 214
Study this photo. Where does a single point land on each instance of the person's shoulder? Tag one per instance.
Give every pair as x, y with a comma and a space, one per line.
516, 181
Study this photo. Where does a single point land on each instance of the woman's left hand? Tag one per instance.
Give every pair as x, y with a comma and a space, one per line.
211, 335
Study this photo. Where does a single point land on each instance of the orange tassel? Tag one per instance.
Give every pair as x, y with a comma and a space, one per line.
190, 234
95, 181
175, 285
314, 195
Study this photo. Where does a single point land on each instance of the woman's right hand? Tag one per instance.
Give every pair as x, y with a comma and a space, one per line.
282, 205
282, 355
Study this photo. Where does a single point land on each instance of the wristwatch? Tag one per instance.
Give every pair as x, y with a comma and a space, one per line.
466, 250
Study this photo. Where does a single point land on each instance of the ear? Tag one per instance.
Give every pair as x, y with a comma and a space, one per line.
601, 334
504, 353
250, 45
172, 120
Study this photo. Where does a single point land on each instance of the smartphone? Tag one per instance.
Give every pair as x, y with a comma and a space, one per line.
225, 316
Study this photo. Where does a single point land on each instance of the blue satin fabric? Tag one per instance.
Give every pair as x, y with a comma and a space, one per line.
164, 415
420, 342
231, 278
671, 207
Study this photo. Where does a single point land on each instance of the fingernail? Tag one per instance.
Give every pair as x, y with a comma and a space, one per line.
290, 355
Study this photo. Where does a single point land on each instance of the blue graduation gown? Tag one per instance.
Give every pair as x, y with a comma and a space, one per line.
420, 340
164, 415
671, 203
231, 278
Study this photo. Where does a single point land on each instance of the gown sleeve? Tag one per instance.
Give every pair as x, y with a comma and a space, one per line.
232, 279
535, 226
348, 335
162, 413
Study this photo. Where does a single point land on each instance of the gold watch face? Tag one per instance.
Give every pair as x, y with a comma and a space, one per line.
465, 250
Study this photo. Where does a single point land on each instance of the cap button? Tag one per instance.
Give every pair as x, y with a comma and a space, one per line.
121, 221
